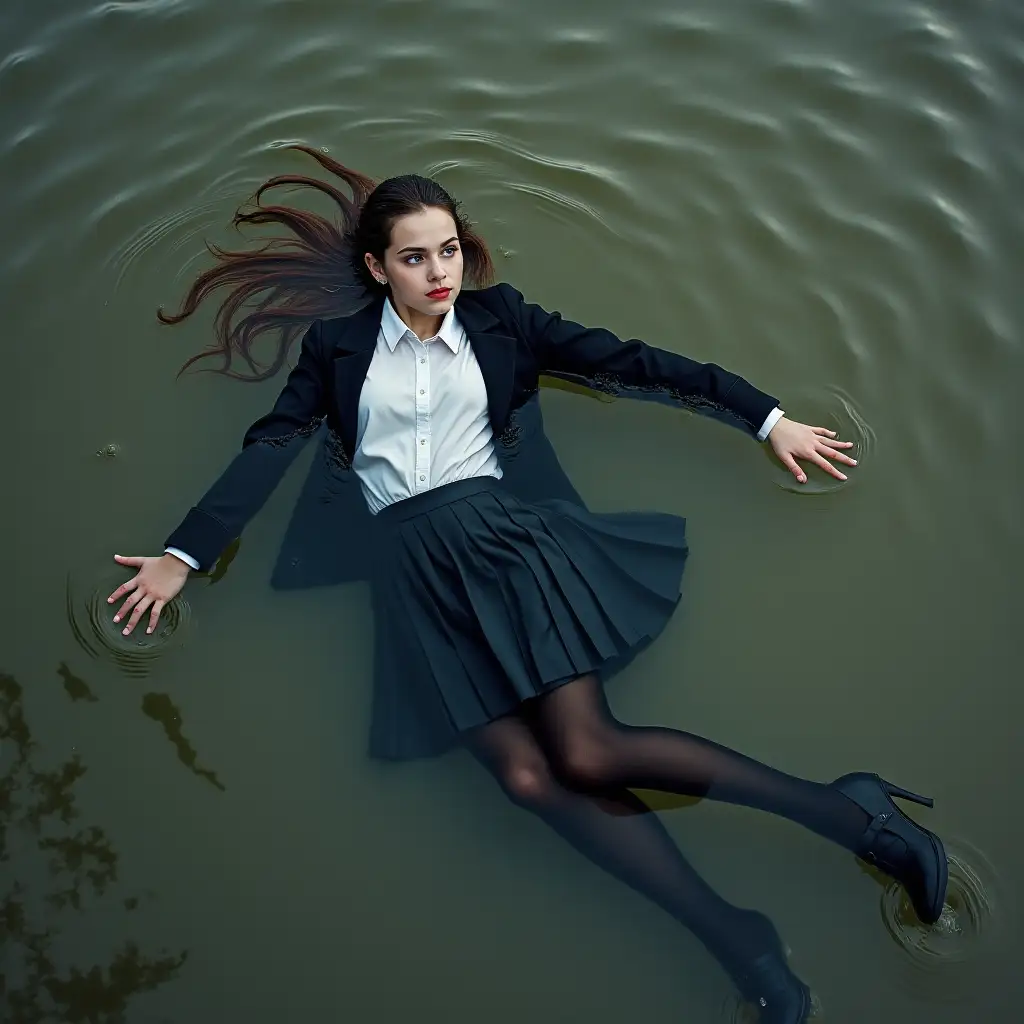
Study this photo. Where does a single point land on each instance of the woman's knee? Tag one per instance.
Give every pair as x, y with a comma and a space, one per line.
528, 782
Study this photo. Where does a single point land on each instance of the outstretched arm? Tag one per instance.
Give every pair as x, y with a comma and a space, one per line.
269, 447
611, 364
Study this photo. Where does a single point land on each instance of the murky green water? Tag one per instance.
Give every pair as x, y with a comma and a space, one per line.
824, 196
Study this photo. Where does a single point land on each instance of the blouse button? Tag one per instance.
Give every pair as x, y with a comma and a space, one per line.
423, 360
423, 440
422, 392
422, 477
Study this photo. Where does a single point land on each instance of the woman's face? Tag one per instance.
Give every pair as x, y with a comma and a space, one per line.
423, 263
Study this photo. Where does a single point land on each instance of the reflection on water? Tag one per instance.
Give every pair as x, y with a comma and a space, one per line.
162, 709
74, 686
66, 868
223, 563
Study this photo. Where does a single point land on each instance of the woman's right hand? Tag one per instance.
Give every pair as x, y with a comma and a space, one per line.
156, 583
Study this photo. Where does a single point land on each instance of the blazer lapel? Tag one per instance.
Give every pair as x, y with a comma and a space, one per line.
495, 352
355, 350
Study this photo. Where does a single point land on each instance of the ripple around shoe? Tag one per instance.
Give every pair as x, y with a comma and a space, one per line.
949, 960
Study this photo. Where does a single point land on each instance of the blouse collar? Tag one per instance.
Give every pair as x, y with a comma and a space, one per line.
394, 328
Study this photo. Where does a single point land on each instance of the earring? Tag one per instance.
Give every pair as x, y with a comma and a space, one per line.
383, 280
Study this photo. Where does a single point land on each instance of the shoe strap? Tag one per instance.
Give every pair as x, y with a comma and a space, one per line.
871, 834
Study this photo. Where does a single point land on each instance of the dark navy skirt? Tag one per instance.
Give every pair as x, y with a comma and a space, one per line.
483, 601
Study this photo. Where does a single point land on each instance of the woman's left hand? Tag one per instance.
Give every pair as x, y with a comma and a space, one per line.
792, 441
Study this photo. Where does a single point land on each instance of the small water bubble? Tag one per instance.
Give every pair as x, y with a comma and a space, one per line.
736, 1011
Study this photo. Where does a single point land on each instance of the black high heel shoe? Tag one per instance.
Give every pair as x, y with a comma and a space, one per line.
780, 996
899, 846
768, 983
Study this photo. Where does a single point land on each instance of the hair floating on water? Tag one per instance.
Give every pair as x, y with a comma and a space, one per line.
316, 270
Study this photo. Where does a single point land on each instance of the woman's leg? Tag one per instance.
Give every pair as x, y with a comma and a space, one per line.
591, 750
617, 832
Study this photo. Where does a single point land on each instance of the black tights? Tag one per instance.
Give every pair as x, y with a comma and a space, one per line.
566, 758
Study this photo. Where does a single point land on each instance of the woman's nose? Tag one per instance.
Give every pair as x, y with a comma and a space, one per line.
437, 271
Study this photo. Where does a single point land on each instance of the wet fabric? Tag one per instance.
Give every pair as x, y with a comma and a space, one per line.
483, 601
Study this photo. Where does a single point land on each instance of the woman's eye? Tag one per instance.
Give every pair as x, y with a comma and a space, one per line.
448, 250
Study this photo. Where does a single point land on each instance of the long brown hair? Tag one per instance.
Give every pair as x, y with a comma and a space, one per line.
316, 271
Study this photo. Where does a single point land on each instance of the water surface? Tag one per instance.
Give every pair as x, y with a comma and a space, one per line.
823, 196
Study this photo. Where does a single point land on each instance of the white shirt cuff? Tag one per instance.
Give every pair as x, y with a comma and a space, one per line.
178, 553
766, 428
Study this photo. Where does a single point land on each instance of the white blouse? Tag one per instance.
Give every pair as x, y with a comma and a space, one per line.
423, 418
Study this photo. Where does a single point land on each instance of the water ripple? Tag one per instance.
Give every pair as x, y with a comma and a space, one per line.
804, 191
942, 957
936, 55
559, 201
91, 621
142, 8
179, 228
687, 34
824, 83
829, 407
20, 57
589, 172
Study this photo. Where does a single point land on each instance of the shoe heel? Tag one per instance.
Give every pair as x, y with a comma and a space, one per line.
905, 794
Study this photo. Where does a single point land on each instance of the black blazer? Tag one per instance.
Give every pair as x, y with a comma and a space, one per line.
330, 537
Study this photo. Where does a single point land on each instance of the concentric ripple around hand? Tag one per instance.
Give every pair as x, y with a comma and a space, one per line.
832, 408
943, 955
91, 622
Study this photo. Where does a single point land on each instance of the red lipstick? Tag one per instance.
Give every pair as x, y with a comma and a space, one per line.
439, 293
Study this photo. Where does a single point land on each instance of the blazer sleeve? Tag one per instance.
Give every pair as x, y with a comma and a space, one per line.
609, 364
268, 449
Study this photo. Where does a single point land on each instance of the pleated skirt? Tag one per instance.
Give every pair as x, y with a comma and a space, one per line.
483, 601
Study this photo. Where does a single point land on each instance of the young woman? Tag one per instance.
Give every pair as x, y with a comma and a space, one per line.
505, 603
